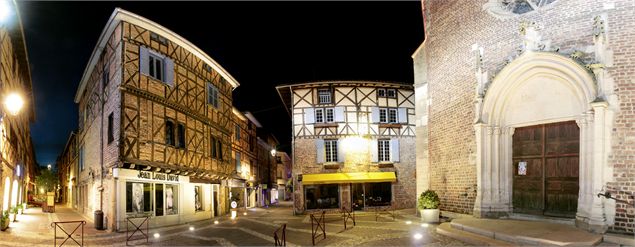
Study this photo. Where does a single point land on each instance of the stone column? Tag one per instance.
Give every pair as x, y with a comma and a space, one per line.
597, 219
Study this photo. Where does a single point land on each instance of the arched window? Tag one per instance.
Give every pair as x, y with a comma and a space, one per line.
510, 8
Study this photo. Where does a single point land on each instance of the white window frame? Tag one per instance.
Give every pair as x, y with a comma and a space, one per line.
152, 57
324, 96
394, 93
212, 95
383, 150
330, 150
381, 92
324, 115
388, 115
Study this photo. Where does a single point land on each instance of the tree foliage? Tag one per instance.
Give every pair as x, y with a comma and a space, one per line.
47, 180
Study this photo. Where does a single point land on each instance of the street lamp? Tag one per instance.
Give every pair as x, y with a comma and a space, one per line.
273, 152
48, 166
5, 10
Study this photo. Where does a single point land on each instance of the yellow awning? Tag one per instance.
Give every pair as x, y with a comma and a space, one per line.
350, 177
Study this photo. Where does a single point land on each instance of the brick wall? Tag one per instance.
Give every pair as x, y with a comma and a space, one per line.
452, 28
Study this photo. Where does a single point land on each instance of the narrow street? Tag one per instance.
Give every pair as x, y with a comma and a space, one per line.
254, 229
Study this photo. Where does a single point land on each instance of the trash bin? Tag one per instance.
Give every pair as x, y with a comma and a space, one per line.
99, 220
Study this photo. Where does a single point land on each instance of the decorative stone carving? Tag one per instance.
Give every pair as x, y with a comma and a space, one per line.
532, 40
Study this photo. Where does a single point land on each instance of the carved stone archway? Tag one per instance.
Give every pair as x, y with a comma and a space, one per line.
538, 88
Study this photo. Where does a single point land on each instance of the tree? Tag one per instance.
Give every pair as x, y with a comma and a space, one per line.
47, 180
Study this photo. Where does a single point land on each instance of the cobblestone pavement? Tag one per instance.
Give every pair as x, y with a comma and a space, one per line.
257, 226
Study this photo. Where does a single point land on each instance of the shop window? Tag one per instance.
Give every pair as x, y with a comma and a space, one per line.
378, 194
322, 196
158, 195
198, 200
171, 199
138, 197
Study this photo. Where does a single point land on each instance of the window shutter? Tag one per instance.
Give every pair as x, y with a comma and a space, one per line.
339, 114
340, 151
144, 66
309, 116
403, 115
374, 150
319, 150
169, 71
394, 150
374, 114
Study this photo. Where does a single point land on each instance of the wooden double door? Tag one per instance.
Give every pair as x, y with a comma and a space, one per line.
546, 167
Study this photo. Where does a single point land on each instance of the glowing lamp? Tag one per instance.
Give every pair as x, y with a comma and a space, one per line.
5, 10
13, 103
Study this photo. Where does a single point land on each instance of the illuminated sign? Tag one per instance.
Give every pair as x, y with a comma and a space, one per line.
157, 176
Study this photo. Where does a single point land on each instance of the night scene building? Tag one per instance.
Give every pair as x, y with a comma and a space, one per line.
155, 127
266, 143
243, 190
351, 144
284, 166
67, 170
528, 106
16, 114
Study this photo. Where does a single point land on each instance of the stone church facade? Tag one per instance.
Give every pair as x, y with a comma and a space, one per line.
535, 115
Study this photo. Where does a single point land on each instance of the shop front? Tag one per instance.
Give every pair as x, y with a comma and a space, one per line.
359, 191
166, 198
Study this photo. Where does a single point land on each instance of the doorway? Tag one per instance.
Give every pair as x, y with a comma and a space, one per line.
546, 169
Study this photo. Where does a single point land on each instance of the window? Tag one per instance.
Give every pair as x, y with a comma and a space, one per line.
81, 158
171, 199
213, 147
238, 162
198, 198
322, 196
104, 76
138, 197
324, 115
391, 93
220, 149
212, 95
510, 8
383, 150
381, 92
158, 196
378, 194
387, 115
156, 66
207, 68
111, 136
237, 132
324, 96
158, 38
169, 133
330, 148
181, 135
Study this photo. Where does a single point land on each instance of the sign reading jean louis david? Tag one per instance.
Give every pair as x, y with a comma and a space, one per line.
149, 175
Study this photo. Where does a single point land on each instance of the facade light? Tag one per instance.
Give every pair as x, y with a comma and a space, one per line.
5, 10
13, 103
273, 152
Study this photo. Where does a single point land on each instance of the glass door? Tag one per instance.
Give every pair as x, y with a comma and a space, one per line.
357, 191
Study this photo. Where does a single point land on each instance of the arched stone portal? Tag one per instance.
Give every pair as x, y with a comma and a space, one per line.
539, 88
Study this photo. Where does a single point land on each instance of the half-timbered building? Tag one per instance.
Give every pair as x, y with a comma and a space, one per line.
243, 189
155, 127
352, 144
17, 160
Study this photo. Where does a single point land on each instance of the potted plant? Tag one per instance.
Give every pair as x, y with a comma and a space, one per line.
15, 210
428, 205
4, 220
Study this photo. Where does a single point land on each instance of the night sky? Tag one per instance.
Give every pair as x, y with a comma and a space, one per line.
261, 44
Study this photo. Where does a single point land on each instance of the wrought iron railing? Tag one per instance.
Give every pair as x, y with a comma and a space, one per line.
317, 224
280, 236
59, 225
348, 214
137, 227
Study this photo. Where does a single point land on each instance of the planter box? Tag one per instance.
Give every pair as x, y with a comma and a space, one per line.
430, 215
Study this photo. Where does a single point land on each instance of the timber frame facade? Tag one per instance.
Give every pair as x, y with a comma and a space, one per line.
17, 159
141, 120
353, 128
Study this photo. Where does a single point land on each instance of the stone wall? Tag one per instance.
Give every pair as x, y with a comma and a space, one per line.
566, 26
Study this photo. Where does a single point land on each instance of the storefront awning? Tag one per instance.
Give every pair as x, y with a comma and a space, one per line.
350, 177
